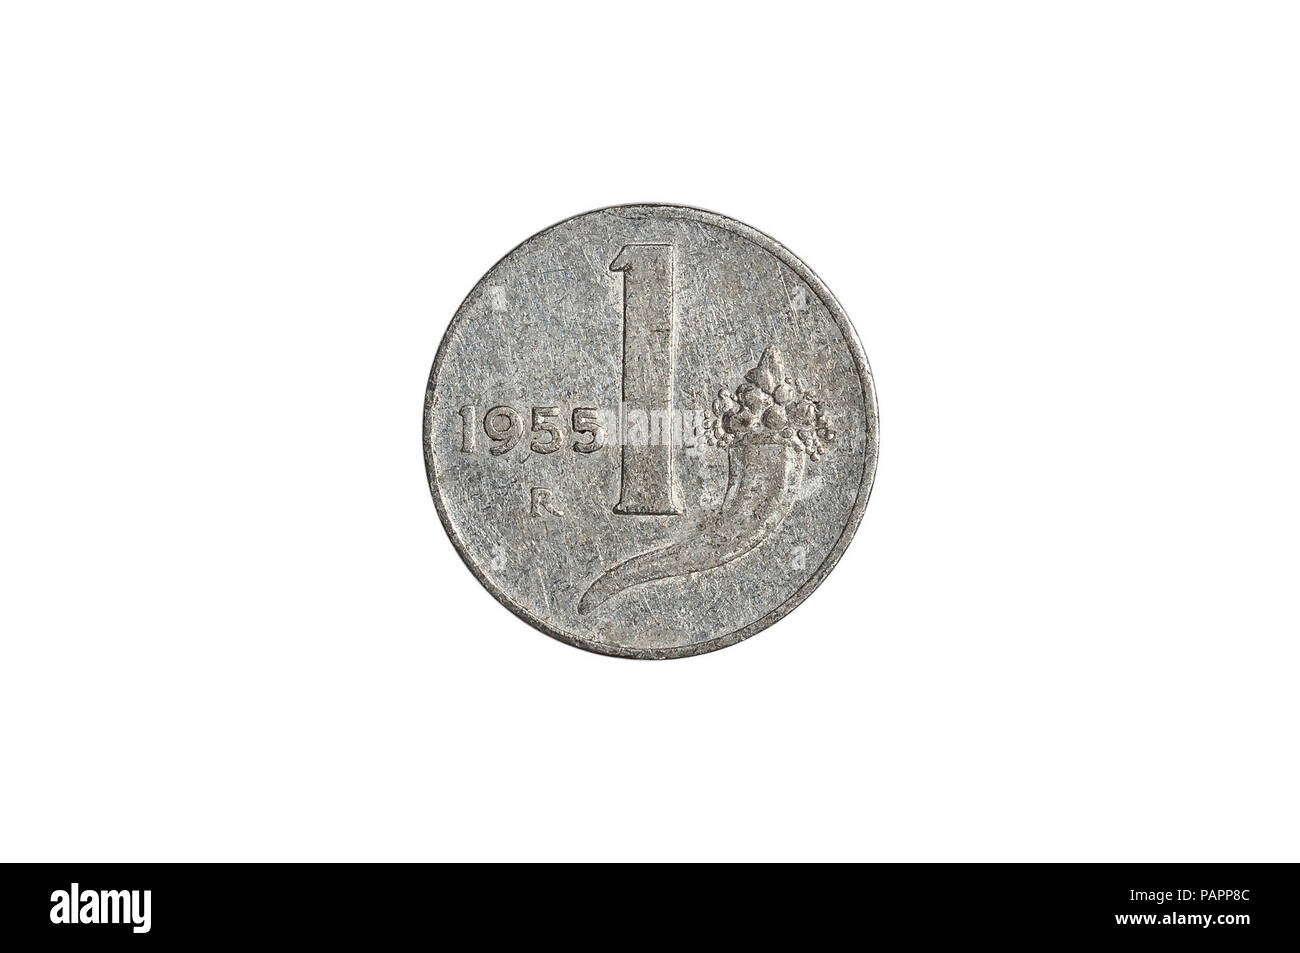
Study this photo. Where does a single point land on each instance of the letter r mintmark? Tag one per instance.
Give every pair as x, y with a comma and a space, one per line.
543, 501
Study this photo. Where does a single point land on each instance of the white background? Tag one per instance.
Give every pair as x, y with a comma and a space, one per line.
231, 236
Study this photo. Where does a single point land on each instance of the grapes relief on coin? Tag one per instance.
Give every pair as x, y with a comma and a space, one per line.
650, 431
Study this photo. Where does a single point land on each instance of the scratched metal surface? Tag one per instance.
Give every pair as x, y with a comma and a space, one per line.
737, 442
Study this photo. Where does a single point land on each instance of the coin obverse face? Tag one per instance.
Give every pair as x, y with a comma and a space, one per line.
650, 431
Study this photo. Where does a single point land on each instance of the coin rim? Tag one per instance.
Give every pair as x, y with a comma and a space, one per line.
850, 335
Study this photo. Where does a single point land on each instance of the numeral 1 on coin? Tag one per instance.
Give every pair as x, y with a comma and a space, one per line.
467, 423
649, 479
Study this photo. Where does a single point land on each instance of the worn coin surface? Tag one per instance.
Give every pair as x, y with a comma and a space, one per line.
650, 431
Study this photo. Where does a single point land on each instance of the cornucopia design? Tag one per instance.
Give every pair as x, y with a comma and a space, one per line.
770, 426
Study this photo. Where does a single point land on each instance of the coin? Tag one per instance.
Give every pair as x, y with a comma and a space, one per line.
650, 431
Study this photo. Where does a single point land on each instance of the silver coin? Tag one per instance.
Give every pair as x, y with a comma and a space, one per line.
650, 431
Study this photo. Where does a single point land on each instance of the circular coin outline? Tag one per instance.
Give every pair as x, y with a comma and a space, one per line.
848, 332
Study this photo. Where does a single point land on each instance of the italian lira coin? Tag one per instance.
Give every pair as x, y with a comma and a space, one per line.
650, 431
